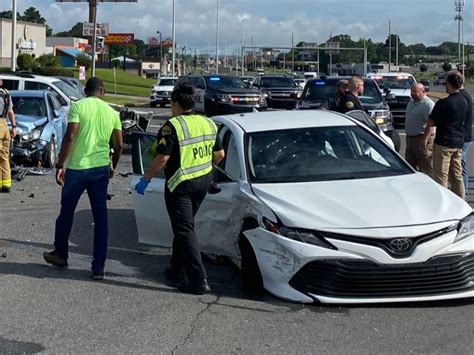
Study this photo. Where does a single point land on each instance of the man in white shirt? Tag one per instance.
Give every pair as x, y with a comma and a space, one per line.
417, 113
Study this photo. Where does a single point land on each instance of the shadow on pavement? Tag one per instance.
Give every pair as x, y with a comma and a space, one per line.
19, 347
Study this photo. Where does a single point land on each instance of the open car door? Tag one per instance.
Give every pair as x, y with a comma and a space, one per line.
151, 216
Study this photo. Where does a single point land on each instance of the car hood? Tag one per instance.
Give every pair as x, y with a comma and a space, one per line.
278, 89
163, 88
408, 200
401, 92
234, 91
25, 124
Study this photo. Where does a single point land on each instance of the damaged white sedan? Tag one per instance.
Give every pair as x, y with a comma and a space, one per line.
315, 207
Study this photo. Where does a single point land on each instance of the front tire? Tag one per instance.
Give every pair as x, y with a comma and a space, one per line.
250, 271
153, 104
162, 105
50, 155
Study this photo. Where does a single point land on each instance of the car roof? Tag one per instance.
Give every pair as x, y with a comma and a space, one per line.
389, 74
277, 120
28, 93
29, 76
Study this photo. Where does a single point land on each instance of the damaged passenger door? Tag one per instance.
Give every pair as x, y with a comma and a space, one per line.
151, 216
216, 219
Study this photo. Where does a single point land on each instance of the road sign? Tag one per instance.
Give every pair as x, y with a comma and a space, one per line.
82, 73
119, 38
101, 30
332, 47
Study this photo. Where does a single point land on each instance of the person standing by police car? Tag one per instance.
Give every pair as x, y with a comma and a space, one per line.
187, 145
6, 109
332, 103
350, 101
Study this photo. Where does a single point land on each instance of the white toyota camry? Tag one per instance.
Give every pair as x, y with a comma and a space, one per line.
316, 207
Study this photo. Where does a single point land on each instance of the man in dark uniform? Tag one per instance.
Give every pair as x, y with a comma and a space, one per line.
187, 145
350, 101
332, 103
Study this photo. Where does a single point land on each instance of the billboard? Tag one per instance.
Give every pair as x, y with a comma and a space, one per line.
101, 30
119, 38
332, 47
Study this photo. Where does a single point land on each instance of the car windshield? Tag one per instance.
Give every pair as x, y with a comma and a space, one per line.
320, 90
395, 82
68, 90
227, 82
29, 106
278, 82
167, 82
319, 154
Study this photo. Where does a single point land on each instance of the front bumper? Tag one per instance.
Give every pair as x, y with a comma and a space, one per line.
360, 273
160, 99
281, 103
28, 152
228, 109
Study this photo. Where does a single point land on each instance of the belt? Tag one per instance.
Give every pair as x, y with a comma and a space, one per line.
418, 135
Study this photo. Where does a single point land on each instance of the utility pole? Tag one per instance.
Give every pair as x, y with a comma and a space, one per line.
389, 46
243, 53
292, 52
13, 53
458, 5
161, 53
396, 50
217, 37
93, 3
173, 44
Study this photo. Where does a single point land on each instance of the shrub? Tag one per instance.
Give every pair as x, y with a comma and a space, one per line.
446, 67
48, 60
83, 60
25, 62
423, 68
49, 71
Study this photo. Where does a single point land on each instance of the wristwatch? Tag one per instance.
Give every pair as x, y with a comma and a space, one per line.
57, 166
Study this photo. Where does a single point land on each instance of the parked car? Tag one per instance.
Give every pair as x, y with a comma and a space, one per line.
225, 94
75, 83
161, 91
41, 122
27, 81
399, 85
318, 91
315, 207
300, 82
281, 91
441, 79
426, 84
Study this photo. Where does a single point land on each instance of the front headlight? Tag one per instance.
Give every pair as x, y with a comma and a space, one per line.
298, 234
34, 134
298, 94
153, 91
465, 228
223, 98
381, 116
263, 100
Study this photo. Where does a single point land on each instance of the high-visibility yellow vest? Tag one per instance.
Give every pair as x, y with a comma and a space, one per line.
196, 137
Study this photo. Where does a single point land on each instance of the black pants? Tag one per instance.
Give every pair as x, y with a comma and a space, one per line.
182, 205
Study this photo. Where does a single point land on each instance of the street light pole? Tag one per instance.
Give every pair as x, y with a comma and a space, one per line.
217, 37
243, 54
94, 39
161, 53
173, 30
13, 53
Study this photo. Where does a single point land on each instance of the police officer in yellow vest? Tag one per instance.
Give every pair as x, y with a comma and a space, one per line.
187, 145
6, 109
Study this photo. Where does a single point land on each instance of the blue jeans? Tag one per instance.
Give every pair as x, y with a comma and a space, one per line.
95, 181
465, 174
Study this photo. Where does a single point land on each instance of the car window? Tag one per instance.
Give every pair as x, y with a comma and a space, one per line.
232, 162
364, 118
53, 103
29, 106
319, 90
10, 84
278, 82
143, 153
167, 82
34, 85
221, 82
67, 90
395, 82
319, 154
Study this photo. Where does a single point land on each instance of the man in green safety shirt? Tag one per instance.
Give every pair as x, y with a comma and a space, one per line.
186, 147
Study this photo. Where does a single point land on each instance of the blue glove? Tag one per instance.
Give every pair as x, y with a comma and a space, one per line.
141, 186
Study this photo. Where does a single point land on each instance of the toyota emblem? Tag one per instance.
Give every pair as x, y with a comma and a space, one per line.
399, 245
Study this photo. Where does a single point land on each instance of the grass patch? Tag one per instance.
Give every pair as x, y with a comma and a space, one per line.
124, 101
127, 90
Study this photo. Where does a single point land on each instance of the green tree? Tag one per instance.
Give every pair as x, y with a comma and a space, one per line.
74, 31
417, 49
423, 68
446, 67
25, 62
9, 14
48, 60
83, 60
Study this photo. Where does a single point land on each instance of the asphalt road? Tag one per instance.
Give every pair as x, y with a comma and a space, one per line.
44, 309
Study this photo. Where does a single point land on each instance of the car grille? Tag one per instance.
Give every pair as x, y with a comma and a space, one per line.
163, 93
283, 95
245, 100
347, 278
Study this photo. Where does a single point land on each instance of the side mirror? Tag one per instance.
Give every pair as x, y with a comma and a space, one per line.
391, 96
386, 91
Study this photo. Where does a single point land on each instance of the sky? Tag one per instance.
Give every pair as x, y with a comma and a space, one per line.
269, 23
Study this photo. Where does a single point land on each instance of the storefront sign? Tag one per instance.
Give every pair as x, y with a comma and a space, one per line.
101, 30
119, 38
